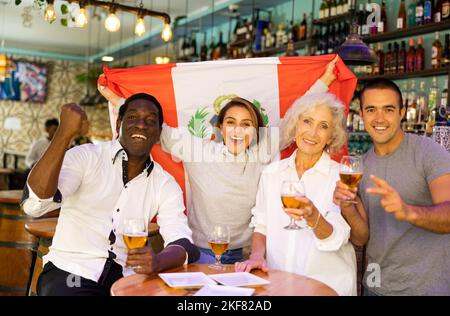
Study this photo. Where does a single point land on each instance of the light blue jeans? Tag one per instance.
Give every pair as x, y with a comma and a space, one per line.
229, 257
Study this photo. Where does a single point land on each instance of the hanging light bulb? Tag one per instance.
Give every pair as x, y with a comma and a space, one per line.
50, 14
112, 22
162, 60
166, 34
139, 29
82, 19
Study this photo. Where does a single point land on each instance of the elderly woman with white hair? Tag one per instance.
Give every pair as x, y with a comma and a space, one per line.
321, 248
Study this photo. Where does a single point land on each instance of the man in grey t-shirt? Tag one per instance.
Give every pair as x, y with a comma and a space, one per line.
404, 202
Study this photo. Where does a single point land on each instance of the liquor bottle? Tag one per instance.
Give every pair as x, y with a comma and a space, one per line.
428, 11
381, 58
395, 58
331, 39
422, 104
388, 59
412, 13
221, 48
405, 94
411, 57
420, 13
438, 12
432, 104
194, 55
333, 7
411, 113
204, 50
401, 18
361, 19
325, 41
303, 28
382, 25
352, 5
402, 58
295, 32
290, 49
345, 6
445, 9
187, 48
420, 56
210, 55
340, 7
287, 31
436, 52
445, 61
324, 10
441, 115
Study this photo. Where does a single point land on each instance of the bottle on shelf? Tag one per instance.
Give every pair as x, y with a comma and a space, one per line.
295, 32
402, 58
333, 8
422, 104
287, 31
445, 9
445, 60
331, 39
291, 49
437, 12
441, 114
204, 50
381, 58
412, 13
436, 52
345, 6
193, 51
401, 17
373, 25
405, 94
382, 25
411, 113
324, 10
221, 49
303, 28
411, 57
420, 12
432, 105
280, 36
428, 11
395, 59
420, 56
362, 20
211, 48
388, 60
340, 7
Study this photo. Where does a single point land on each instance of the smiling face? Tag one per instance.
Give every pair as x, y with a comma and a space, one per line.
314, 130
382, 116
139, 129
237, 129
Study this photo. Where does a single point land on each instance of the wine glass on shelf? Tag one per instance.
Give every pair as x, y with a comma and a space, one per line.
351, 172
290, 191
218, 240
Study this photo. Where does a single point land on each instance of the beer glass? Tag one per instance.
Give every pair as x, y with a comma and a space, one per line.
351, 172
218, 240
135, 232
290, 190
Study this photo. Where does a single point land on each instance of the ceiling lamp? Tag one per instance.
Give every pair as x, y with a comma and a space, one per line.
107, 59
162, 60
166, 34
50, 14
82, 19
112, 22
354, 51
139, 29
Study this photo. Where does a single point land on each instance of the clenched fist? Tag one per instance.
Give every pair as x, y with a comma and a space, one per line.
73, 121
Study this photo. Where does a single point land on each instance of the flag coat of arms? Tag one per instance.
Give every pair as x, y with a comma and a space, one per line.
192, 94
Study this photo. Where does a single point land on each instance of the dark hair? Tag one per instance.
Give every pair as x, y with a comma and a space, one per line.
51, 122
255, 114
142, 96
381, 83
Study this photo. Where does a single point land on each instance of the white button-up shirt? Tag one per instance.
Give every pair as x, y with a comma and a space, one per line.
331, 260
95, 202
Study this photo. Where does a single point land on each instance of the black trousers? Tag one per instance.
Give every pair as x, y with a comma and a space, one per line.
56, 282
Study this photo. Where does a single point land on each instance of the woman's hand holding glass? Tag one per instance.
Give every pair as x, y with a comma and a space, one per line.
307, 211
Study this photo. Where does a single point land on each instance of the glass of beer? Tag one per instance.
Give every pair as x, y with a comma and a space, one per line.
290, 191
351, 172
135, 232
218, 240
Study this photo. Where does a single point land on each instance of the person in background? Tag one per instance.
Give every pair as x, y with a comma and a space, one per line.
403, 202
99, 188
321, 248
39, 147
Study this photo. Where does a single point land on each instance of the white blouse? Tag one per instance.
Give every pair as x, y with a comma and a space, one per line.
331, 260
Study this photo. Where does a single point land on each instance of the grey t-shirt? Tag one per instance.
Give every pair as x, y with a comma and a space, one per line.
413, 261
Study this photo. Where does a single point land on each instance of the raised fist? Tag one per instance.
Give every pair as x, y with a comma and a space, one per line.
73, 121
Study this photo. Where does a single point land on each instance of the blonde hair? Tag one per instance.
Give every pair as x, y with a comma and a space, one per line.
307, 104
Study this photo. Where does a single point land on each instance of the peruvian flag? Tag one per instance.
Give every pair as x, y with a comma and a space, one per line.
191, 94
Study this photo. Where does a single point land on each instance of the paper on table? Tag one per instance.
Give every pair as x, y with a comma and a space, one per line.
220, 290
239, 279
186, 279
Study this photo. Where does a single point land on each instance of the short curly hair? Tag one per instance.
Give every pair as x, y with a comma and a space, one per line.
307, 104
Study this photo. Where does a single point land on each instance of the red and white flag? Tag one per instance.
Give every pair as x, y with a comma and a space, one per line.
192, 94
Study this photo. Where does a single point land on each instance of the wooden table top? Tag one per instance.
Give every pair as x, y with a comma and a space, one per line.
42, 228
10, 196
281, 284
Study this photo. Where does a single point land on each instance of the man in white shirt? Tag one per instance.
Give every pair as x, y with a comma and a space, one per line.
39, 147
98, 187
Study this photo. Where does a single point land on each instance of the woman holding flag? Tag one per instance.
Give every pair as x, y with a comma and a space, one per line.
224, 175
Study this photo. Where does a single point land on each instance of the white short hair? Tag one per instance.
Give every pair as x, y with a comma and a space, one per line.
309, 103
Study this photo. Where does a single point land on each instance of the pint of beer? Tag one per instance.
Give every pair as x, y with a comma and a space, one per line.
218, 246
290, 191
351, 172
135, 241
350, 178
